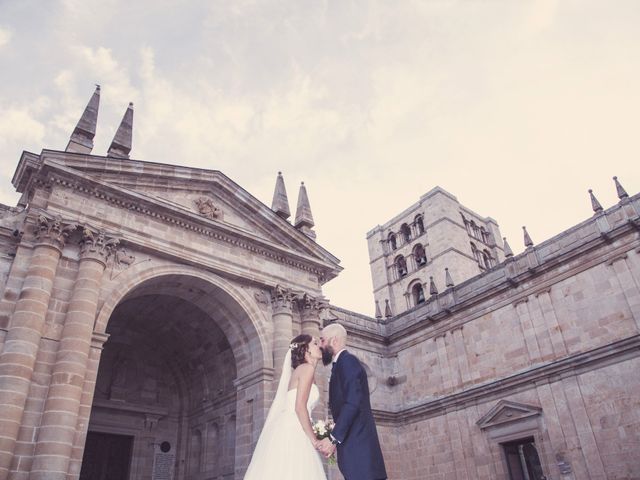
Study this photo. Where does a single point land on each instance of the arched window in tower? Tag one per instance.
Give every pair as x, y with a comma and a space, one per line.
420, 255
419, 223
467, 226
406, 233
475, 231
476, 254
485, 235
487, 259
417, 293
401, 266
393, 243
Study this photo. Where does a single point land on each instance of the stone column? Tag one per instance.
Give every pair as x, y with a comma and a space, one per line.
310, 314
86, 403
58, 425
25, 331
282, 315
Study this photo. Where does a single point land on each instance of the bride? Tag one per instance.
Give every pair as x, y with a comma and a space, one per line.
286, 448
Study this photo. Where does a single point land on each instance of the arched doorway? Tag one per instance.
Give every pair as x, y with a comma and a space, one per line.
165, 401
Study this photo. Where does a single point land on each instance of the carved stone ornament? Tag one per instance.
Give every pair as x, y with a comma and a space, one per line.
122, 258
206, 208
281, 297
261, 297
308, 304
53, 230
96, 244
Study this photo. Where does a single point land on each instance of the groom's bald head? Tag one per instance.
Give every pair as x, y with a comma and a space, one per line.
335, 332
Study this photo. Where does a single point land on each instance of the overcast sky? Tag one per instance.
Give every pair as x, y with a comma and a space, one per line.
516, 107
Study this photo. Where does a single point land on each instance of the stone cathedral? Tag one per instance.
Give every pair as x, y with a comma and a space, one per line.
145, 310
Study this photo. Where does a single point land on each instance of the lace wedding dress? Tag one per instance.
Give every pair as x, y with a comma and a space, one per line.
283, 451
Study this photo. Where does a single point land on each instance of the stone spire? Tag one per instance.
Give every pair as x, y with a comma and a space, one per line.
304, 219
121, 144
433, 290
378, 312
81, 140
508, 253
595, 204
527, 239
447, 278
622, 193
280, 203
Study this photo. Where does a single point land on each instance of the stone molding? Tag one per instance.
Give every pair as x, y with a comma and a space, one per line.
506, 411
433, 311
197, 223
566, 367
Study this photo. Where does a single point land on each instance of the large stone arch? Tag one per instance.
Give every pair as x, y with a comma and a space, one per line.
202, 304
251, 339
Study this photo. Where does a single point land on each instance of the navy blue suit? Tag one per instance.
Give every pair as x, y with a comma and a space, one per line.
359, 453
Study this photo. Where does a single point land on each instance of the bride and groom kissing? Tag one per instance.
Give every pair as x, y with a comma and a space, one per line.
287, 447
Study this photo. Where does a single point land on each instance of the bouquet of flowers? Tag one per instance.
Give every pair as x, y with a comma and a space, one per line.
323, 429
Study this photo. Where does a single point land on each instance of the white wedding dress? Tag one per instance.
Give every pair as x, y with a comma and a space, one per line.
283, 451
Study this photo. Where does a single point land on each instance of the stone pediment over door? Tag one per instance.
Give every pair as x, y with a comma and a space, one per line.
506, 411
204, 197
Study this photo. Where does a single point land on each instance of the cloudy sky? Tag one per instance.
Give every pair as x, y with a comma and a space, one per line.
516, 107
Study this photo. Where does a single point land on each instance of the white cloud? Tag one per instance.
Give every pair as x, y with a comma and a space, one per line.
5, 36
18, 125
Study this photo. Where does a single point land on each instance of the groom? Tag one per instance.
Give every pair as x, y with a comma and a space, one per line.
354, 434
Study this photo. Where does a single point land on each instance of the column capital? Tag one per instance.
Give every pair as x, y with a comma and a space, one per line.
96, 245
281, 300
310, 305
53, 230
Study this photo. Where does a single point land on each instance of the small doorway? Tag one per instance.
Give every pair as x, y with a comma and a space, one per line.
523, 461
106, 457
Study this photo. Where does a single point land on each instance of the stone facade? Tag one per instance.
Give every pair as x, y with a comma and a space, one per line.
427, 247
543, 347
197, 287
146, 309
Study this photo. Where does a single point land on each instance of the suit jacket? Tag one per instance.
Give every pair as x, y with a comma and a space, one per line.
359, 453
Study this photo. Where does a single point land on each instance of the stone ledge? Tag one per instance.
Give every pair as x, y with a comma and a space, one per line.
621, 350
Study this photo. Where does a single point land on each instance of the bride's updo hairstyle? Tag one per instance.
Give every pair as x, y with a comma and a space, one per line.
299, 346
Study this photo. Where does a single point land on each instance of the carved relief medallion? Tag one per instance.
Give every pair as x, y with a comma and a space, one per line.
206, 208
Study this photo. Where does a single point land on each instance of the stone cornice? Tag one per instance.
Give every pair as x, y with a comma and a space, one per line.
550, 372
52, 173
128, 174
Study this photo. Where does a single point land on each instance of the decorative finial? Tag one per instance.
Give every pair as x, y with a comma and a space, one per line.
378, 312
447, 278
280, 203
81, 140
622, 193
121, 144
595, 204
387, 309
508, 253
304, 218
433, 290
527, 239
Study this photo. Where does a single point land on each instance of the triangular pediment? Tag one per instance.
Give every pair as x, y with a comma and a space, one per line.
507, 411
203, 195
